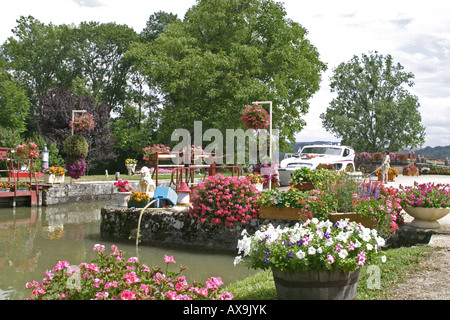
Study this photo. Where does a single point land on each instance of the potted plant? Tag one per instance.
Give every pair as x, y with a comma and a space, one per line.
294, 204
123, 189
313, 260
301, 179
76, 168
257, 180
131, 165
223, 200
155, 152
138, 199
255, 117
410, 170
22, 186
392, 173
54, 174
5, 187
426, 202
82, 122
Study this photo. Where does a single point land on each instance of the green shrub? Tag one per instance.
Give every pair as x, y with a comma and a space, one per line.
76, 146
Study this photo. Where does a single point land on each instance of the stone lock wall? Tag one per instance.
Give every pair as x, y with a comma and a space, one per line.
174, 228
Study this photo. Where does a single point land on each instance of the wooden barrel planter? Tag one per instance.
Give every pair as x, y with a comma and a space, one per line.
316, 285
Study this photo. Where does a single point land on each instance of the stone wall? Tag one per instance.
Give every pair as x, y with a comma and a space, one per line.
174, 228
80, 192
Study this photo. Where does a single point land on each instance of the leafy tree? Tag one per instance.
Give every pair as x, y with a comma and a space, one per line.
55, 114
14, 103
156, 24
226, 54
373, 110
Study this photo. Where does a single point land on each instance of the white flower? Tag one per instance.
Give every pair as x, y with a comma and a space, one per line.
319, 250
237, 260
380, 241
329, 242
369, 247
311, 250
383, 259
244, 245
343, 254
300, 254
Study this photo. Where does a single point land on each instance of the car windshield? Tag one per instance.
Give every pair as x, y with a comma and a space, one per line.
322, 150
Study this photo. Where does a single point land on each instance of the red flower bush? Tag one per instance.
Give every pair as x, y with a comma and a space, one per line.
255, 117
224, 200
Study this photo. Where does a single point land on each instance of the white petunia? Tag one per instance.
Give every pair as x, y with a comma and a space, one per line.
343, 254
311, 250
383, 259
300, 254
369, 247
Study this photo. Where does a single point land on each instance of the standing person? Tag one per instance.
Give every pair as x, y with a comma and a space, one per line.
385, 166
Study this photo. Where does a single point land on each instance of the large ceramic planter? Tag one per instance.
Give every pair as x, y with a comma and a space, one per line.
259, 186
51, 178
316, 285
131, 168
352, 216
283, 213
426, 218
122, 198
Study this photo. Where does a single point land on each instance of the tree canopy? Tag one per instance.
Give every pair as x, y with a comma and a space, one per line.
225, 55
373, 110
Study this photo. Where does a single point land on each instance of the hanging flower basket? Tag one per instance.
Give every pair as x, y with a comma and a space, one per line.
255, 117
83, 122
28, 150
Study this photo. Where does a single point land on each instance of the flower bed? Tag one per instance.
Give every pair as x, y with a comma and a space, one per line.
224, 200
112, 277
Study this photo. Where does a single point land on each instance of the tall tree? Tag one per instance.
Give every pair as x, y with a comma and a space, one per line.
14, 103
56, 112
373, 110
226, 54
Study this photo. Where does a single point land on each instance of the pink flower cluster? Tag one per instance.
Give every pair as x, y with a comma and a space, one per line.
228, 200
110, 277
255, 117
123, 185
83, 122
28, 150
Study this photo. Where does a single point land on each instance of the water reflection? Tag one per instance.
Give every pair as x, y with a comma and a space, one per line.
33, 240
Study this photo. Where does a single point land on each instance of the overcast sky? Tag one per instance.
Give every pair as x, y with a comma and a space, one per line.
415, 33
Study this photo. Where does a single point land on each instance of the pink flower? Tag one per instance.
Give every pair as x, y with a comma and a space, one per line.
131, 278
128, 295
168, 259
61, 265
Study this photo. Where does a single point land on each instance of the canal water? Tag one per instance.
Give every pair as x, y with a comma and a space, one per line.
33, 240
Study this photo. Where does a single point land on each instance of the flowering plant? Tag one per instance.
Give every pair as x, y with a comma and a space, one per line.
130, 161
76, 168
28, 150
23, 185
224, 200
301, 175
148, 151
5, 185
83, 122
122, 185
313, 245
312, 203
391, 170
255, 117
138, 197
425, 195
254, 178
112, 277
377, 156
57, 171
410, 167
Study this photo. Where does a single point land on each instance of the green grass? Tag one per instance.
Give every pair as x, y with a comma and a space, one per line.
399, 262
